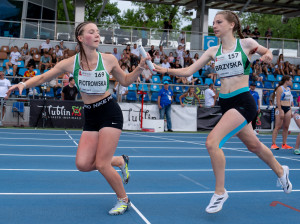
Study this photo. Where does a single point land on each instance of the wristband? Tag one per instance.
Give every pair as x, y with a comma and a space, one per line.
23, 83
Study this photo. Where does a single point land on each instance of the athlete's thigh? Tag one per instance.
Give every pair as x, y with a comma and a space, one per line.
297, 119
87, 147
108, 142
229, 122
287, 118
247, 136
278, 118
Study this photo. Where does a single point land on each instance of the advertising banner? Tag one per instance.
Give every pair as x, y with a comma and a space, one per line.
56, 114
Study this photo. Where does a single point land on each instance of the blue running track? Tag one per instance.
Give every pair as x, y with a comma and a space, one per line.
171, 181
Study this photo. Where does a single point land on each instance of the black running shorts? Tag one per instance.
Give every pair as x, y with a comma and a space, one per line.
104, 113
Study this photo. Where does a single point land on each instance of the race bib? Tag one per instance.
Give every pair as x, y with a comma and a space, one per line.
92, 82
227, 65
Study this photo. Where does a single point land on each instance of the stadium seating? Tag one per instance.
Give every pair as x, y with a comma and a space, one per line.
37, 71
156, 79
177, 89
22, 71
154, 96
132, 87
208, 81
259, 84
196, 74
218, 82
166, 78
271, 78
279, 77
131, 96
146, 97
154, 88
296, 86
143, 87
268, 85
297, 79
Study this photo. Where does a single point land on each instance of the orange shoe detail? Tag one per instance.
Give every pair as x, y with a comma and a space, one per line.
274, 146
285, 146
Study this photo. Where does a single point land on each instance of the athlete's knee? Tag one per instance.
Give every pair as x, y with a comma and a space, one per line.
83, 166
254, 146
211, 143
102, 167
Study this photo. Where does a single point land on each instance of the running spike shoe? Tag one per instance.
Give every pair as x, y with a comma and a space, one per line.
285, 146
216, 203
284, 181
124, 170
275, 147
120, 207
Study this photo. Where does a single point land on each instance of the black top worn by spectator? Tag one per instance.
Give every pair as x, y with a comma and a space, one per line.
70, 92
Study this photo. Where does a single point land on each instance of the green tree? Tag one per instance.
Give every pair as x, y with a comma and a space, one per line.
290, 30
110, 13
153, 15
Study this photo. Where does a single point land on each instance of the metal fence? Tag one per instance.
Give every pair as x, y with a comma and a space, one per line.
119, 35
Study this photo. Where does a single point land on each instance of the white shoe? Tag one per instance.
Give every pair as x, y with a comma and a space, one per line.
216, 203
284, 181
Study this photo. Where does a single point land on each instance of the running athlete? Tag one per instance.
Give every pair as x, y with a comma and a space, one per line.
297, 120
283, 112
232, 63
103, 116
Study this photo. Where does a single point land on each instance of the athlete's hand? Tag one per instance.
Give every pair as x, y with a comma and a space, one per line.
19, 86
160, 70
143, 60
266, 58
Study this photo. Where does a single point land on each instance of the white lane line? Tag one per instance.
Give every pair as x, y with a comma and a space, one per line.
27, 155
36, 139
50, 146
179, 170
193, 181
143, 193
140, 214
71, 138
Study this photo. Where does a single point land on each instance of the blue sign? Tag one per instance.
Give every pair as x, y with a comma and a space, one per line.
210, 41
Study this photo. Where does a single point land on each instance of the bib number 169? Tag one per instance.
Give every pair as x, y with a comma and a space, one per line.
99, 74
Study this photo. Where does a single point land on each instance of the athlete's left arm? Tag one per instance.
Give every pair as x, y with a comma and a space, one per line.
251, 47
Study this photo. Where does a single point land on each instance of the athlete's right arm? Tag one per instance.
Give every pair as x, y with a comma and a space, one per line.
63, 66
188, 71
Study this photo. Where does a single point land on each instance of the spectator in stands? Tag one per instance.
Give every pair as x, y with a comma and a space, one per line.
279, 67
14, 59
177, 66
70, 91
54, 83
256, 71
120, 92
156, 59
181, 36
180, 55
59, 53
171, 59
65, 78
126, 60
45, 61
257, 101
182, 44
4, 86
190, 98
128, 50
286, 68
167, 27
247, 32
46, 46
298, 70
116, 54
147, 75
255, 34
63, 48
292, 70
164, 100
152, 51
210, 96
165, 63
161, 52
132, 69
66, 55
283, 112
25, 54
29, 73
268, 35
135, 55
187, 58
196, 57
265, 68
210, 72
